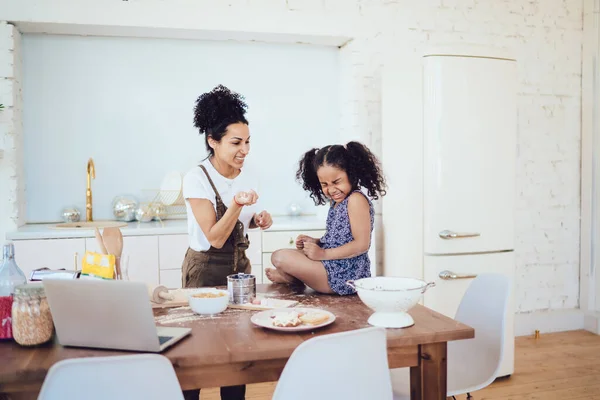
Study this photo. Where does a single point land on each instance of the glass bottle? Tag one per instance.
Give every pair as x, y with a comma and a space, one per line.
10, 277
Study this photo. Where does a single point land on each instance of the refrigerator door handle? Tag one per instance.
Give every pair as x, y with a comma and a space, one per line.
446, 234
448, 275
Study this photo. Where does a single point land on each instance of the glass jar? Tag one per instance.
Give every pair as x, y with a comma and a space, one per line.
31, 318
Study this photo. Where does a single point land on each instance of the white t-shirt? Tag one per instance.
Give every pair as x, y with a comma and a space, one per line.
197, 186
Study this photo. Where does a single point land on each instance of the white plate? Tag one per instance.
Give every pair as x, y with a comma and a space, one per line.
170, 189
263, 319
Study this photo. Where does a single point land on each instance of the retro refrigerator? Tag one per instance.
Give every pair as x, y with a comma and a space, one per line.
449, 153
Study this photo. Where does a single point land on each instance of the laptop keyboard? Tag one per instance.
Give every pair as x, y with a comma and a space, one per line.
163, 339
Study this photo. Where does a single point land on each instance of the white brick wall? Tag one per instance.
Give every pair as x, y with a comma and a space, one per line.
546, 37
12, 191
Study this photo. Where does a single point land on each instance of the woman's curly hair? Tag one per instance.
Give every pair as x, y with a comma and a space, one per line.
360, 164
216, 110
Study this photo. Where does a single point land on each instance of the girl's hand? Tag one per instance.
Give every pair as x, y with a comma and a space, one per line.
313, 251
301, 239
245, 198
263, 220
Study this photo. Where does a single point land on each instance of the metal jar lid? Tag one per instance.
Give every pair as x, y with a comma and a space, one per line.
241, 279
31, 289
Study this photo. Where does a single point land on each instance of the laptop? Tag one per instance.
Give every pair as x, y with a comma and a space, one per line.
107, 314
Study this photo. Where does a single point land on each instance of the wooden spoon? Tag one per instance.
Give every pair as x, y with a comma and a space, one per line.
100, 241
113, 240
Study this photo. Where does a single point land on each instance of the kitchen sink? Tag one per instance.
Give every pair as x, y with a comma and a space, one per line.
90, 225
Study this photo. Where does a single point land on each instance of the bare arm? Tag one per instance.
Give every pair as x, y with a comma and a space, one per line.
360, 223
216, 232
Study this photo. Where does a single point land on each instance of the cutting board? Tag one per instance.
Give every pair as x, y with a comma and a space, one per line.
268, 303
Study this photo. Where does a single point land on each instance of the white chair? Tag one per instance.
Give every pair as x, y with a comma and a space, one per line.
472, 363
131, 377
347, 365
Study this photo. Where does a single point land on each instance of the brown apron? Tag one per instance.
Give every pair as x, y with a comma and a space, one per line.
211, 267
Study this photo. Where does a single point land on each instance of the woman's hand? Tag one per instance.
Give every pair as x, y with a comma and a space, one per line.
245, 198
263, 220
301, 239
313, 251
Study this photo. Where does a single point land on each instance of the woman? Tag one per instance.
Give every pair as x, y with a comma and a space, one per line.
220, 201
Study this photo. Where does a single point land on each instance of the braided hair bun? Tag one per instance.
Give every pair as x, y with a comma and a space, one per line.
217, 109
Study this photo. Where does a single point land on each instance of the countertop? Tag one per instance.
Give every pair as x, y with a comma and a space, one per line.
167, 227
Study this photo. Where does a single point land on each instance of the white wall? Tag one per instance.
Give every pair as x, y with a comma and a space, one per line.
128, 103
546, 38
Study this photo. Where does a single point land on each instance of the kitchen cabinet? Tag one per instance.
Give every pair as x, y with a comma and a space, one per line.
172, 249
155, 253
170, 278
275, 240
141, 255
48, 253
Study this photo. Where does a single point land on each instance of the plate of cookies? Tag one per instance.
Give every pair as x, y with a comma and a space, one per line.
293, 319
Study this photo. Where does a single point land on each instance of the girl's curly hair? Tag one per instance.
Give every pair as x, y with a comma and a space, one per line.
360, 164
216, 110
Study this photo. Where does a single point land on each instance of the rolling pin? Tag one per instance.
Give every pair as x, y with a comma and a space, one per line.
159, 294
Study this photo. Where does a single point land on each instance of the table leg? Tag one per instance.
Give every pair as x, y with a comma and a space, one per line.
428, 379
416, 392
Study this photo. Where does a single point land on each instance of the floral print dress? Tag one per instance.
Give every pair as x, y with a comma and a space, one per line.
337, 234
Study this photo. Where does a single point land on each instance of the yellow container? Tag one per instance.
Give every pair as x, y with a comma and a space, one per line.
100, 265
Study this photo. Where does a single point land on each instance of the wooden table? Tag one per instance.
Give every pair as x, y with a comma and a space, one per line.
229, 350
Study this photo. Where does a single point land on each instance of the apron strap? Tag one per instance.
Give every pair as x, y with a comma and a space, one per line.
218, 196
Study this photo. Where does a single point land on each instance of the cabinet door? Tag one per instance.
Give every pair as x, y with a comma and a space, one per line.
140, 253
276, 240
170, 278
171, 251
470, 123
255, 249
48, 253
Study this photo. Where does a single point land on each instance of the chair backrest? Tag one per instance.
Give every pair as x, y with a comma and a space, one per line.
131, 377
474, 363
348, 365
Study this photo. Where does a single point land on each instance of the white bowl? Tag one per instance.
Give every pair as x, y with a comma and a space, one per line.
208, 305
390, 298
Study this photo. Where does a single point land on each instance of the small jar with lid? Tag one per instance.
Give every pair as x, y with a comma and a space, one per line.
31, 318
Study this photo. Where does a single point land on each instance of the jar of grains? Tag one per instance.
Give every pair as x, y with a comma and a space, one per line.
31, 318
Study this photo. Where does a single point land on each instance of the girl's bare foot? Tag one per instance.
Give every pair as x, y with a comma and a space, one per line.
277, 276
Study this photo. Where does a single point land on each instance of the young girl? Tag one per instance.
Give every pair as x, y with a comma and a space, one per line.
336, 174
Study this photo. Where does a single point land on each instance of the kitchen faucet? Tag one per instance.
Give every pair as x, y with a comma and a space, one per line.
91, 171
